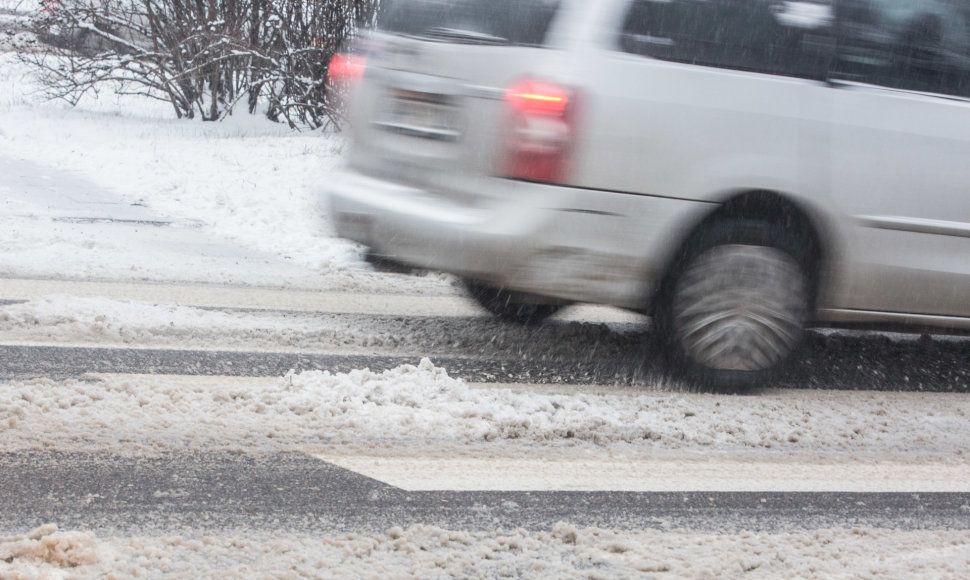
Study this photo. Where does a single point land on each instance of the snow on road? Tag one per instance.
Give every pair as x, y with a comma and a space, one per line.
421, 410
115, 190
564, 552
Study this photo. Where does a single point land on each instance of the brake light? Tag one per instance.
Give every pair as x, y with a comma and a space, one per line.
539, 131
346, 68
537, 97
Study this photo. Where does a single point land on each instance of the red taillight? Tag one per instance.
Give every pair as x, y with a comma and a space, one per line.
537, 97
539, 131
346, 68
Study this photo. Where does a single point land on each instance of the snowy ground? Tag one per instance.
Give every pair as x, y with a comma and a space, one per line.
246, 181
242, 199
428, 552
422, 407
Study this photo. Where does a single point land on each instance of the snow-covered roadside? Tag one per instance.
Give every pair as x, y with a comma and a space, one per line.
430, 552
245, 181
272, 320
67, 319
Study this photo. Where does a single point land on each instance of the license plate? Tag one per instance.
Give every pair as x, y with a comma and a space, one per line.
422, 115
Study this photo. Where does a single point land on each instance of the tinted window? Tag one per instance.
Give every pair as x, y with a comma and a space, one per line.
770, 36
921, 45
516, 22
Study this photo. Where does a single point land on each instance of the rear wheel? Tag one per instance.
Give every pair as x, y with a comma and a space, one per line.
510, 306
735, 306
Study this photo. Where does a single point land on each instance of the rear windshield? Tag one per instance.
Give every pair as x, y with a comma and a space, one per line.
506, 22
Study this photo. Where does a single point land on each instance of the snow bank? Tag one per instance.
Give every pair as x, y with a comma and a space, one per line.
422, 408
46, 547
431, 552
254, 184
246, 179
71, 319
463, 328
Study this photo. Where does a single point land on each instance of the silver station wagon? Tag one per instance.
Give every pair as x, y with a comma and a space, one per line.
737, 169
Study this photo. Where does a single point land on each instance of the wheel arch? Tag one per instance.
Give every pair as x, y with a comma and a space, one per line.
762, 205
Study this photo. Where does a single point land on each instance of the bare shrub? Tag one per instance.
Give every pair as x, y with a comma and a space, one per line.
202, 56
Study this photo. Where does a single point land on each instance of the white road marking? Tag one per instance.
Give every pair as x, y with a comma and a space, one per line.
645, 475
294, 300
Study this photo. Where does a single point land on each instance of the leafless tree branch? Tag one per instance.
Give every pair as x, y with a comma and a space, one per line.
202, 56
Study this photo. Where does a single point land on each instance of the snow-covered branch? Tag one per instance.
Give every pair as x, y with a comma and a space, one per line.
203, 56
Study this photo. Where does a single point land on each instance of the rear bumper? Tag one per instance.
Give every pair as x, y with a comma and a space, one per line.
555, 241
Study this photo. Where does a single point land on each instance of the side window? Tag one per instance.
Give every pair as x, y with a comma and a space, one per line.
781, 37
920, 45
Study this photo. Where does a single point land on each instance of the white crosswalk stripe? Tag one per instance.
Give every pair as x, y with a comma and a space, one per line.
697, 474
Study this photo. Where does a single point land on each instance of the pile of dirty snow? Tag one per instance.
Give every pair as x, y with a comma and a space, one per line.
424, 551
415, 406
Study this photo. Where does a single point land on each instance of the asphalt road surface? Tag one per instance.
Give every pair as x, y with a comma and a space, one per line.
295, 492
299, 491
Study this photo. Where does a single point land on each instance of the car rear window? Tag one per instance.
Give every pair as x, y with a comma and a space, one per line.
505, 22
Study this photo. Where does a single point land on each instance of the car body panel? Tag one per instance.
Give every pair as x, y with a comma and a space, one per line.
910, 250
565, 242
659, 146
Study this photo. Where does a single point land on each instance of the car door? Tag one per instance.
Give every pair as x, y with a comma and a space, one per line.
703, 98
900, 154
